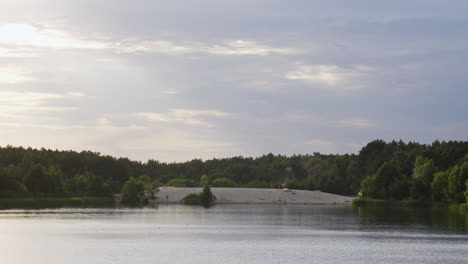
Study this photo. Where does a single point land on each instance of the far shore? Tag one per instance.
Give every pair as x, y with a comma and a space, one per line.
254, 196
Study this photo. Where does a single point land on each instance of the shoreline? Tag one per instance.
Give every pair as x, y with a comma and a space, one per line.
54, 202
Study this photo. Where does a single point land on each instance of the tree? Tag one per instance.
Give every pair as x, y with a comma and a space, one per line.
388, 183
145, 179
456, 183
466, 192
423, 172
76, 185
206, 196
204, 180
8, 184
37, 181
133, 193
353, 176
151, 189
223, 182
438, 186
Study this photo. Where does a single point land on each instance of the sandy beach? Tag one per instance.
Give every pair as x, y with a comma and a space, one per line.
254, 195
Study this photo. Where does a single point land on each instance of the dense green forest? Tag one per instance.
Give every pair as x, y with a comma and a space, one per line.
384, 170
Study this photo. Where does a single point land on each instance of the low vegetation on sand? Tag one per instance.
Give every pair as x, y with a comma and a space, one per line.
204, 198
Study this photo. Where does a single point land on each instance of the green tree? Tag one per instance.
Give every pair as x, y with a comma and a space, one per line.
76, 185
151, 189
8, 184
37, 180
353, 176
423, 172
223, 182
438, 186
145, 179
206, 196
133, 193
388, 183
204, 180
456, 183
466, 192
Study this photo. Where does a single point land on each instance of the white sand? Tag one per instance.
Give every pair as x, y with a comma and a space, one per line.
253, 195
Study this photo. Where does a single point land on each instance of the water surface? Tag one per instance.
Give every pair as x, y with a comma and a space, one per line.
233, 234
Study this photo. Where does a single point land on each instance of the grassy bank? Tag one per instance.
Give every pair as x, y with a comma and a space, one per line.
53, 202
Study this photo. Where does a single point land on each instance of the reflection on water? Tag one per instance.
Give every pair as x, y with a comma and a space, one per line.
233, 234
436, 217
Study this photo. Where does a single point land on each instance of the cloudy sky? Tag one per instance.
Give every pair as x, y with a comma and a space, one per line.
176, 80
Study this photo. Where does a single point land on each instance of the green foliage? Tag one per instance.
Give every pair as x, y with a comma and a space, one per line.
456, 184
9, 185
151, 189
223, 182
258, 184
41, 180
133, 193
388, 183
424, 170
45, 172
204, 198
466, 192
438, 186
87, 184
192, 199
181, 183
204, 180
145, 179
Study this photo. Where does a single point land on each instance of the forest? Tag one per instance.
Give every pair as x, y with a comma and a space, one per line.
393, 170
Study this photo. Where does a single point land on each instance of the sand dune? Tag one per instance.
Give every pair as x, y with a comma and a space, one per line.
253, 195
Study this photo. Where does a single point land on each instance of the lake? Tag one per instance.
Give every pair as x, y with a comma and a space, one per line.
234, 234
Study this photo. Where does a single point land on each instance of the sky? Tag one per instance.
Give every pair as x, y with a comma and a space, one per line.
178, 80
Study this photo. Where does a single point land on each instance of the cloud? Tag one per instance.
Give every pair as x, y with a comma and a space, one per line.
23, 37
317, 142
227, 48
16, 52
13, 76
242, 47
171, 92
30, 36
12, 102
357, 123
332, 76
192, 117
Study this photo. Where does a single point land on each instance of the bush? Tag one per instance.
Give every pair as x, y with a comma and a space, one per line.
181, 183
223, 182
133, 193
192, 199
204, 198
258, 184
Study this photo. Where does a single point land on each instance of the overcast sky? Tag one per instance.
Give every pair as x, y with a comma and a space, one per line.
176, 80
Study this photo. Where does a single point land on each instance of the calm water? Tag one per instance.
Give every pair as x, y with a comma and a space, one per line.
233, 234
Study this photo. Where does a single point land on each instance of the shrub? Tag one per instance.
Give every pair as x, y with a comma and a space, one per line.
133, 193
181, 183
223, 182
204, 198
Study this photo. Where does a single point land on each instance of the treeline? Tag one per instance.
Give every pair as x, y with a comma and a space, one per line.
426, 183
44, 172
